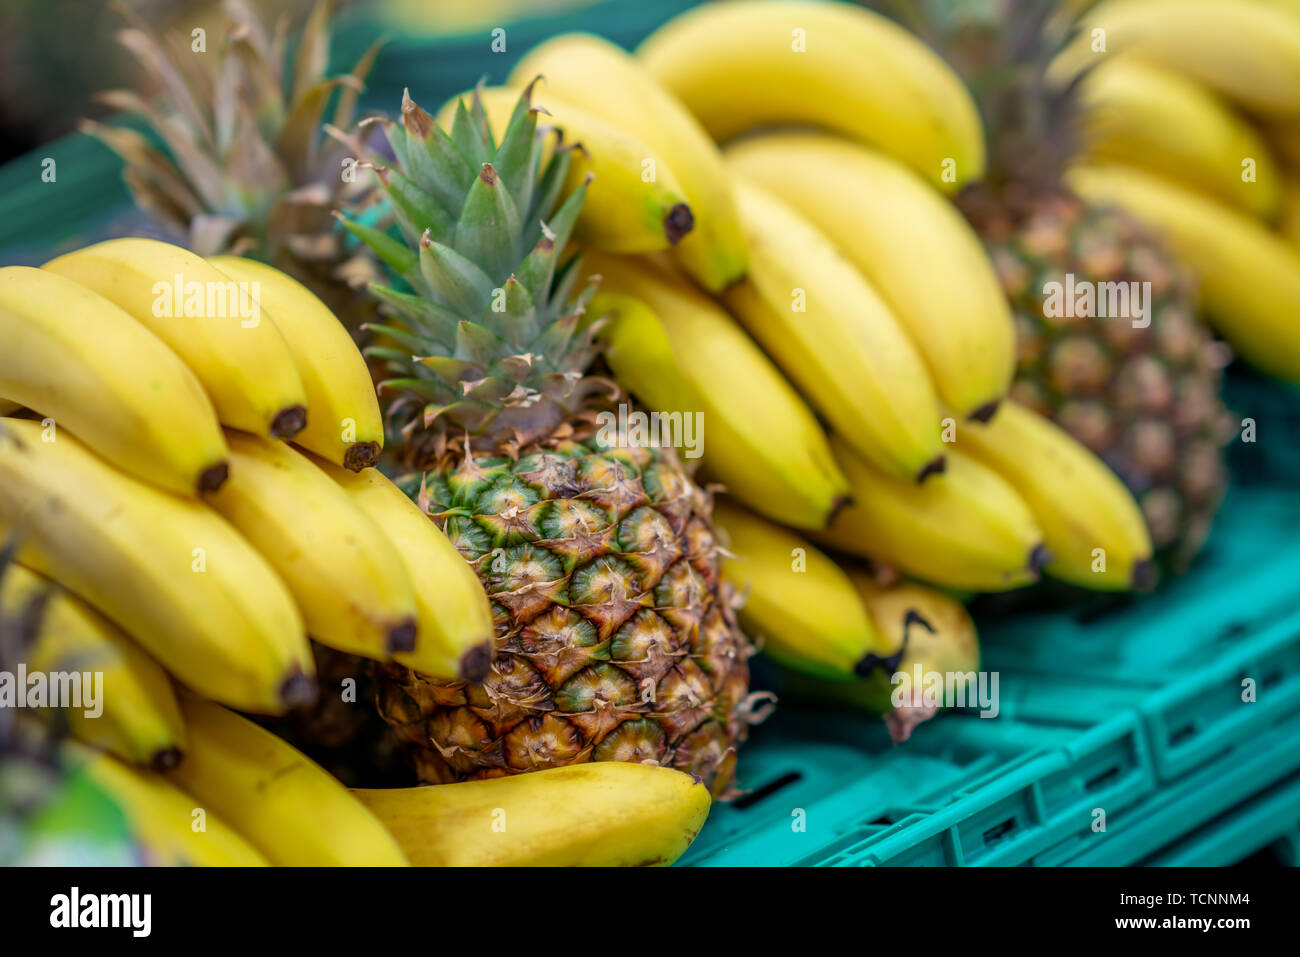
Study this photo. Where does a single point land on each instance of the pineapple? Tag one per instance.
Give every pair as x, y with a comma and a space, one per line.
250, 172
616, 638
1146, 400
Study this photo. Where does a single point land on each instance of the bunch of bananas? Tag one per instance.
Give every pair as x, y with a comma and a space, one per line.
1193, 124
183, 550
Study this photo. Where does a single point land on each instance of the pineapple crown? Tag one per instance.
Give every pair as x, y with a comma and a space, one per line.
491, 340
1002, 49
249, 171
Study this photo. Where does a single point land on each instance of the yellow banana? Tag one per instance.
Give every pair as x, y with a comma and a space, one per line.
741, 65
1249, 277
1091, 524
1246, 50
599, 814
836, 339
624, 212
211, 322
138, 717
677, 351
345, 425
163, 818
9, 408
967, 528
455, 619
893, 227
346, 576
167, 570
1154, 119
610, 84
282, 802
799, 605
73, 356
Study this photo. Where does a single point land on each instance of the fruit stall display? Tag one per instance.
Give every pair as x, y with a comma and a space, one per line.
342, 472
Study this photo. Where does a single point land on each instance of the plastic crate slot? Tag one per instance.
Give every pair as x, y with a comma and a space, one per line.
998, 831
1103, 779
1183, 732
753, 797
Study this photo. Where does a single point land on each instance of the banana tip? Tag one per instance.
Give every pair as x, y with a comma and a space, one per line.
837, 506
297, 690
361, 455
289, 422
1145, 575
985, 412
211, 479
401, 637
936, 466
679, 221
165, 759
1039, 558
475, 663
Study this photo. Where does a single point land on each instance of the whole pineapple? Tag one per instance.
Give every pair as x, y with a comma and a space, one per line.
616, 638
1146, 400
249, 170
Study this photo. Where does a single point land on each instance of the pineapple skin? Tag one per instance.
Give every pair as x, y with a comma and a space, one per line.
1146, 400
616, 637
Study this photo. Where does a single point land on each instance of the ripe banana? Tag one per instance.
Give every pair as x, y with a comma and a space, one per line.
1091, 524
938, 636
598, 814
677, 351
9, 408
213, 324
73, 356
1246, 50
346, 576
893, 227
757, 63
799, 605
139, 720
167, 570
611, 84
162, 817
835, 338
1249, 277
1154, 119
967, 528
282, 802
345, 425
454, 616
624, 212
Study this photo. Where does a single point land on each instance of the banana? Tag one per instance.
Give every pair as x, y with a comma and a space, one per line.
798, 604
1285, 139
1249, 277
677, 351
282, 802
931, 631
967, 528
835, 338
210, 322
167, 570
1246, 50
1289, 224
740, 65
893, 227
598, 814
1091, 524
74, 357
610, 84
139, 720
454, 616
623, 212
346, 576
162, 817
9, 408
1153, 119
345, 425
